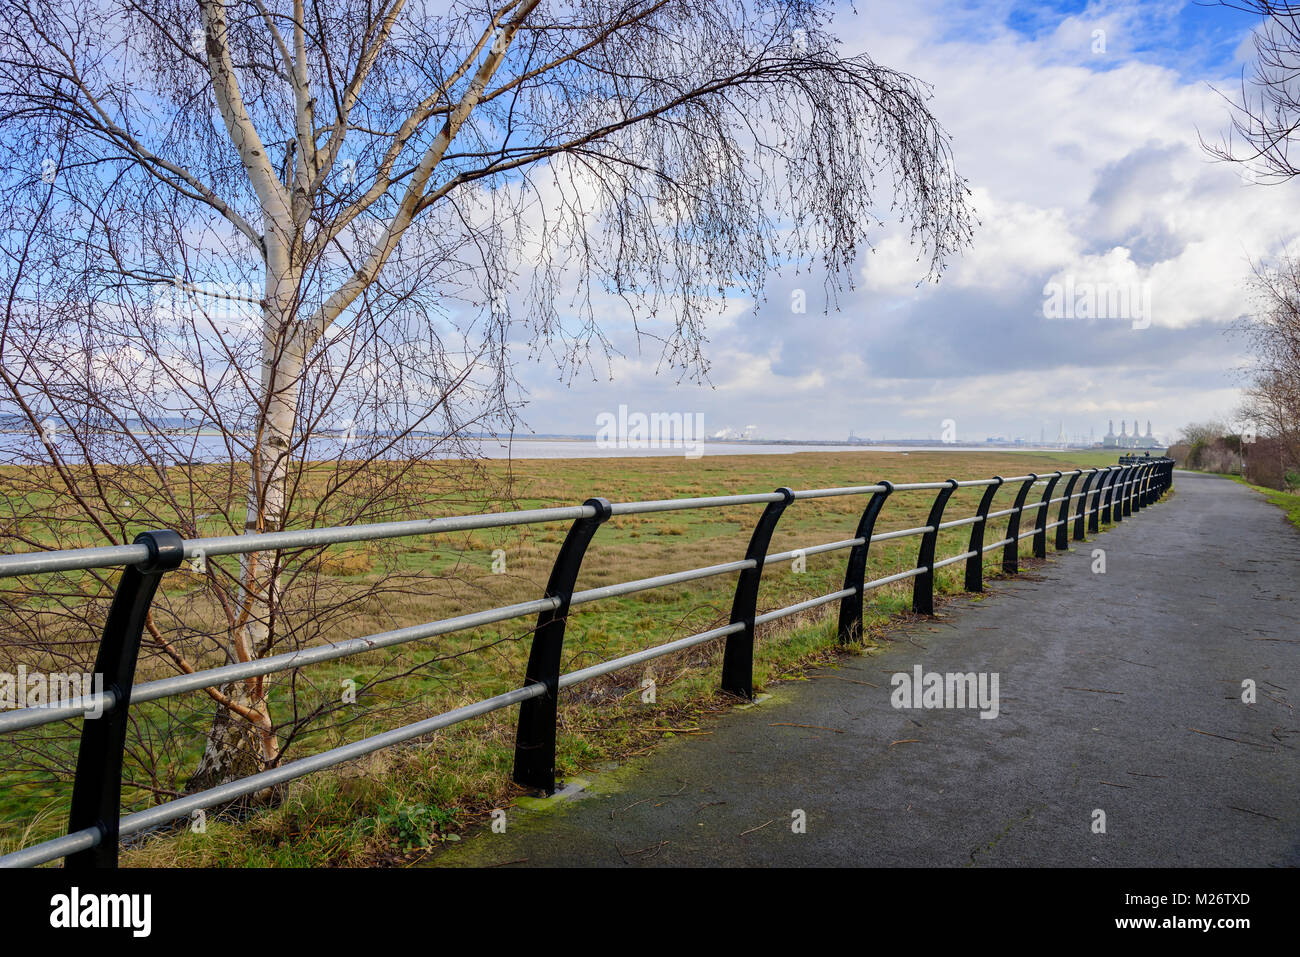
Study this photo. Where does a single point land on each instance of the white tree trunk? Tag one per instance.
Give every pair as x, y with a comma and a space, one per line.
236, 745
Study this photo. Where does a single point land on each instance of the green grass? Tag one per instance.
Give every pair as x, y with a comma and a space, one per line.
391, 807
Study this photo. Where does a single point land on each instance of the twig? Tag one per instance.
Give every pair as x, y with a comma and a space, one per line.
651, 847
814, 727
1246, 810
1210, 734
1094, 690
838, 678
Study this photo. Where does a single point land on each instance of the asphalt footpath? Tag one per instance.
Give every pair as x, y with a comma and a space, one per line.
1121, 737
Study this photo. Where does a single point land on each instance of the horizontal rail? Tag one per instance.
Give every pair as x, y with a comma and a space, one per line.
686, 504
901, 533
803, 606
108, 556
214, 677
811, 550
648, 654
829, 492
152, 555
112, 555
911, 573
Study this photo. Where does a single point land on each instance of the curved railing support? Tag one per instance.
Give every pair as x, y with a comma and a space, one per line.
97, 789
1081, 513
1040, 520
1099, 496
535, 739
1063, 516
1135, 498
738, 657
1108, 499
1011, 551
975, 564
1139, 497
855, 575
923, 584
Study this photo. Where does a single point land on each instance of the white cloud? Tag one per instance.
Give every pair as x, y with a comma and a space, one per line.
1080, 164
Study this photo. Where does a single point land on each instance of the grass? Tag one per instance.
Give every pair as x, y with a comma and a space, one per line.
391, 807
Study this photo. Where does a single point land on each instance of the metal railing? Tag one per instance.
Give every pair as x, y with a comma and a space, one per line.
95, 826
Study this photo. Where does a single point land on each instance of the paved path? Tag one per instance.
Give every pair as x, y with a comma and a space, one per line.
1200, 592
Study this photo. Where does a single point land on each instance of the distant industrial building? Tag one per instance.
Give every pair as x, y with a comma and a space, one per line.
1126, 441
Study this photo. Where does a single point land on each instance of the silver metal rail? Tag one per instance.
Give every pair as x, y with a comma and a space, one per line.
93, 835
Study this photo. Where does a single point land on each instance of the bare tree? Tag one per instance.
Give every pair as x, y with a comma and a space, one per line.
1265, 123
387, 196
1266, 114
1273, 329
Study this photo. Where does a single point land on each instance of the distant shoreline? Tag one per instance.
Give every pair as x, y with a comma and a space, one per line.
324, 435
204, 447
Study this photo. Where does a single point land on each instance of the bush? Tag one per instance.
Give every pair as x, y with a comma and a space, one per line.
1266, 463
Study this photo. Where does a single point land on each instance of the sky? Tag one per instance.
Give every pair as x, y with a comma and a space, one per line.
1082, 152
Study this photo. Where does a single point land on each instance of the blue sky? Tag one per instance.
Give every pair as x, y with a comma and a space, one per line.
1085, 168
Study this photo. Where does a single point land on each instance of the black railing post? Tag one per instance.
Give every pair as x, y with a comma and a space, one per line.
535, 739
1011, 551
97, 789
1040, 520
855, 576
1063, 516
1103, 493
1117, 495
1126, 499
1112, 492
923, 584
975, 564
738, 655
1116, 472
1140, 497
1081, 513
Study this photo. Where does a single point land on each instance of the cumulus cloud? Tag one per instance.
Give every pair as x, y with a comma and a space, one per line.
1084, 165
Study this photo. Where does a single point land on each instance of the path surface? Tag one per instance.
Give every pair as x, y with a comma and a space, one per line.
1200, 592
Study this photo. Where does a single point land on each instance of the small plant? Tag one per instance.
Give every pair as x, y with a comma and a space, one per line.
418, 825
